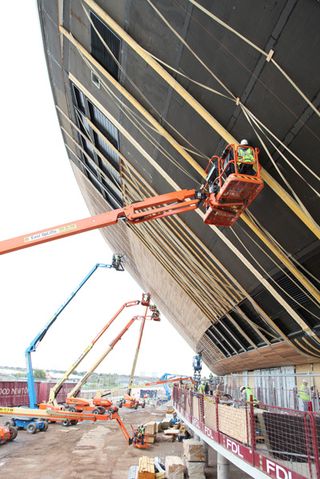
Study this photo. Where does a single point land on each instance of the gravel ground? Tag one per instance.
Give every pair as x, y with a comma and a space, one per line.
86, 451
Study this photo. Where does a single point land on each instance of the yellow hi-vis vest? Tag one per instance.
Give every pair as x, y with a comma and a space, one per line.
246, 155
304, 393
249, 393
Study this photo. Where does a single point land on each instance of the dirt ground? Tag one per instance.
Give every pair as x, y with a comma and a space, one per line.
86, 451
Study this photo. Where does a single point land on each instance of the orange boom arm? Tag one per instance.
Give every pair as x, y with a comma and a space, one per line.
147, 210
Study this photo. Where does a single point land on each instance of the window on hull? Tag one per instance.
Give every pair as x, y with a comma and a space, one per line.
101, 163
98, 47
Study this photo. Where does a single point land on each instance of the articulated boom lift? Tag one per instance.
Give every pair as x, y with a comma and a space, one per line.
55, 390
128, 400
7, 433
72, 399
236, 192
115, 264
66, 417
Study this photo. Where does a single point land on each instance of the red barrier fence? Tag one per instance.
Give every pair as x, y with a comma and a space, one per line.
283, 443
15, 393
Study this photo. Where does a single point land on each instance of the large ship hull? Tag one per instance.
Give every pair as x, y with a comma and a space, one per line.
136, 125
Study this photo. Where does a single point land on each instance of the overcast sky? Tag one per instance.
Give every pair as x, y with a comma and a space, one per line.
38, 190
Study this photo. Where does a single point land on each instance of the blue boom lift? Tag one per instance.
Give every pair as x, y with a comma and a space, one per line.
166, 386
116, 264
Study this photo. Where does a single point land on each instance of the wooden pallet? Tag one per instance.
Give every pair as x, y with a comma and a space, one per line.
146, 469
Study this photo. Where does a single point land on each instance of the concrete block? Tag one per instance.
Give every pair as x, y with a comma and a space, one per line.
164, 425
196, 470
150, 427
133, 472
175, 467
150, 438
194, 450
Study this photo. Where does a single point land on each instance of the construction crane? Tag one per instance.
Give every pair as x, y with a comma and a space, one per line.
223, 207
55, 390
116, 264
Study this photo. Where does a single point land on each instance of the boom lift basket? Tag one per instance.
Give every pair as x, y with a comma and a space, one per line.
236, 190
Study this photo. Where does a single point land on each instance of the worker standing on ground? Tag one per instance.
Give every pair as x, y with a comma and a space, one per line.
206, 387
246, 393
201, 388
174, 420
304, 394
211, 384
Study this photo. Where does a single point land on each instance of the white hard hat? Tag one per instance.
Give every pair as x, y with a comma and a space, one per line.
244, 142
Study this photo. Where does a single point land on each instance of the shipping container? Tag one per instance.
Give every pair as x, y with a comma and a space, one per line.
15, 393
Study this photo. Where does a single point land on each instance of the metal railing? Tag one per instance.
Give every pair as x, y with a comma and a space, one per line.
283, 443
274, 389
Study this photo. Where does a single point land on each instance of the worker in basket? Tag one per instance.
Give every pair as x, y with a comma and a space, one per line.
139, 435
245, 159
245, 162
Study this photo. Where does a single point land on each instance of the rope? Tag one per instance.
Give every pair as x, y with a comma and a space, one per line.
254, 219
188, 241
129, 109
248, 111
233, 96
205, 87
210, 278
286, 160
163, 242
237, 101
191, 50
306, 293
262, 52
281, 143
253, 75
266, 272
225, 239
275, 165
126, 110
137, 121
133, 83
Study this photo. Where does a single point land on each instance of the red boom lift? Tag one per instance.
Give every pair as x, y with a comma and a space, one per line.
224, 208
233, 192
7, 433
68, 417
98, 404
